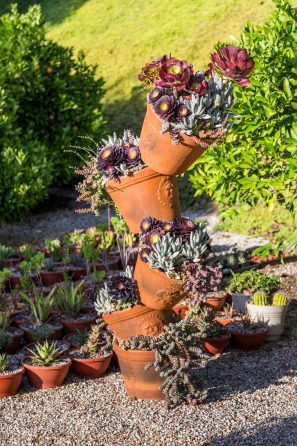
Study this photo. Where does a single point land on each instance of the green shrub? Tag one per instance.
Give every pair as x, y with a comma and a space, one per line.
25, 175
258, 160
46, 95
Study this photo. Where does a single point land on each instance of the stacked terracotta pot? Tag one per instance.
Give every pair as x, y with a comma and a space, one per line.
152, 192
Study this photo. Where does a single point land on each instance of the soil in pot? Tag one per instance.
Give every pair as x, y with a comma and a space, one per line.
10, 381
139, 382
158, 152
73, 323
138, 320
90, 367
216, 346
43, 377
144, 193
156, 289
75, 340
35, 333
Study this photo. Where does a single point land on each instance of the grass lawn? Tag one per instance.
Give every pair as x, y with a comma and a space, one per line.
121, 36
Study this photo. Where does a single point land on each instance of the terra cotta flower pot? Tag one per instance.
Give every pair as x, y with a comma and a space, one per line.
156, 289
145, 193
91, 367
139, 382
138, 320
43, 377
158, 152
215, 346
247, 341
9, 384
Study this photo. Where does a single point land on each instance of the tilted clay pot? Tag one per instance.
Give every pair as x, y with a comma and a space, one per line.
247, 341
215, 346
156, 289
145, 193
158, 152
9, 384
44, 377
139, 383
216, 300
138, 320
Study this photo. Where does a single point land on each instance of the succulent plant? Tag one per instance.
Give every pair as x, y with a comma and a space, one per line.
5, 319
197, 83
174, 73
149, 223
279, 299
166, 107
233, 63
174, 349
3, 363
260, 298
151, 71
166, 254
70, 298
196, 247
4, 340
183, 226
99, 341
155, 94
153, 236
200, 278
6, 252
118, 293
46, 354
40, 305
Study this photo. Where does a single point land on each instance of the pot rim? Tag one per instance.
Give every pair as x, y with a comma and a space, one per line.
222, 338
46, 367
128, 180
17, 373
248, 334
87, 360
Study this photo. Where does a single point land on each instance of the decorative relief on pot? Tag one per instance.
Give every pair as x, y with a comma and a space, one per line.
172, 294
151, 325
149, 140
165, 192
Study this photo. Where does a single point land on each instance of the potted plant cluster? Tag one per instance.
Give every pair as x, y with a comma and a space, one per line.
271, 309
189, 109
247, 334
115, 170
215, 336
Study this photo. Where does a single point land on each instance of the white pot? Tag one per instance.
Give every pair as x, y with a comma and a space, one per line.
275, 316
239, 301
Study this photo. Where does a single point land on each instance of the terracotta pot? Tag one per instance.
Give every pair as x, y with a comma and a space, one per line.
76, 273
15, 280
51, 277
216, 300
15, 341
145, 193
156, 289
158, 152
139, 383
66, 348
67, 339
138, 320
13, 261
247, 341
9, 384
29, 336
91, 367
215, 346
180, 310
223, 321
43, 377
71, 325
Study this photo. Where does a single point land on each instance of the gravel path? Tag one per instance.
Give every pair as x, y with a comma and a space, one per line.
252, 401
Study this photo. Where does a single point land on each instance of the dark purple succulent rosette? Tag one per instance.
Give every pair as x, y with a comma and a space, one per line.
197, 84
132, 155
183, 226
149, 223
155, 94
234, 63
174, 73
181, 112
120, 287
165, 107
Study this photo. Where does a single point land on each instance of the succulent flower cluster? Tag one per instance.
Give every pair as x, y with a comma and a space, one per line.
175, 349
118, 293
197, 103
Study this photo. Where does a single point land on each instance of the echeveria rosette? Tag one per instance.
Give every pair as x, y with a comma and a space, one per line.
233, 63
152, 237
174, 73
107, 160
143, 253
166, 107
155, 94
181, 112
197, 84
151, 71
183, 226
132, 155
120, 287
149, 223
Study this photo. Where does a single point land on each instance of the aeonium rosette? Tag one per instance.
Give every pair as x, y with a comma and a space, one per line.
197, 104
181, 249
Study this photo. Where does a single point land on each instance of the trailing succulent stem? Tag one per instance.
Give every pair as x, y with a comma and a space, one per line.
174, 350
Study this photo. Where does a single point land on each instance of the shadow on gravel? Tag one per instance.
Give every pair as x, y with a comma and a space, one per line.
278, 431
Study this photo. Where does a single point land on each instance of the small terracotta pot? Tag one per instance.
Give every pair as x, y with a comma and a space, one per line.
71, 325
158, 152
14, 343
13, 261
247, 341
43, 377
91, 367
139, 383
145, 193
9, 384
138, 320
66, 338
76, 273
215, 346
29, 336
180, 310
216, 302
15, 280
51, 277
223, 321
156, 289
